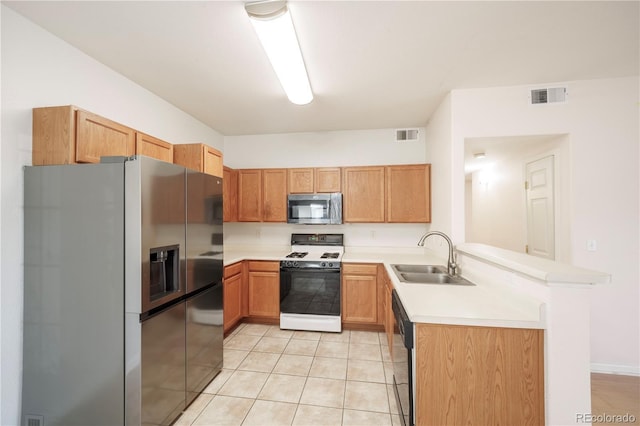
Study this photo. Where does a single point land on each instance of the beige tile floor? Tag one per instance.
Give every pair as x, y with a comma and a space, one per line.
281, 377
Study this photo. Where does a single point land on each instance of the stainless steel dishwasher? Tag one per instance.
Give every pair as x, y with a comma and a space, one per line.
403, 362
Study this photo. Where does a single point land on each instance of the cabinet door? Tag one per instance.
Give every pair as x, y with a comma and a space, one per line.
230, 195
249, 195
53, 139
189, 155
359, 298
479, 375
300, 181
97, 137
212, 161
274, 195
153, 147
232, 301
408, 193
364, 197
390, 319
328, 179
264, 294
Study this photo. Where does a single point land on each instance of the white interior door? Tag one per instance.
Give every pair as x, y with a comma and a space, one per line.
540, 208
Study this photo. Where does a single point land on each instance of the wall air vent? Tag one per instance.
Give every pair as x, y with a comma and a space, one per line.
33, 420
548, 95
406, 135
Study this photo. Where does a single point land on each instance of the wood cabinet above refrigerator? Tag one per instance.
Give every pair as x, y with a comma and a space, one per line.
67, 135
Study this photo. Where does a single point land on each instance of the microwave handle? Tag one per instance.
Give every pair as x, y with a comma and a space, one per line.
335, 208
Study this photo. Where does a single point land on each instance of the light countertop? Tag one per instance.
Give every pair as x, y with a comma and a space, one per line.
541, 269
485, 304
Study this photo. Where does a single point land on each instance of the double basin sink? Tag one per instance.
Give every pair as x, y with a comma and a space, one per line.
427, 274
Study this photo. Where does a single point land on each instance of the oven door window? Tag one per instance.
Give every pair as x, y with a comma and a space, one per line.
310, 292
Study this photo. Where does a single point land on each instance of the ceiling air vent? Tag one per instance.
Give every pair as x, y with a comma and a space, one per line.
406, 135
548, 95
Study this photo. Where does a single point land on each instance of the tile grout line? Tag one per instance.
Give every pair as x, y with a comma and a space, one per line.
314, 356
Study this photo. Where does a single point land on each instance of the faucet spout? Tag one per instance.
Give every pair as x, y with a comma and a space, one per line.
452, 267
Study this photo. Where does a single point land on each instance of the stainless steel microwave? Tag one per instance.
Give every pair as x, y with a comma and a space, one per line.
315, 209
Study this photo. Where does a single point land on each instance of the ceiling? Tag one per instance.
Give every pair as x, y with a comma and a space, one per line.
379, 64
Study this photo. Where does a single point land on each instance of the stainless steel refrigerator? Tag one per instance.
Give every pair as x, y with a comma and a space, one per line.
122, 291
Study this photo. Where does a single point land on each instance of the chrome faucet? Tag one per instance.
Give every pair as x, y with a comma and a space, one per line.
452, 268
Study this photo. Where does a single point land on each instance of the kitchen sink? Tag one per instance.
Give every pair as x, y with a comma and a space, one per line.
423, 269
427, 274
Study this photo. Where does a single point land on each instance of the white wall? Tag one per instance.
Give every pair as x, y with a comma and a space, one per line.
602, 123
40, 70
322, 149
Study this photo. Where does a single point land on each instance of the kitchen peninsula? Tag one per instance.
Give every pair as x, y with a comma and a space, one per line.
513, 291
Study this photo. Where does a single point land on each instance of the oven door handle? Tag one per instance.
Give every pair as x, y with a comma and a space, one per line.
309, 269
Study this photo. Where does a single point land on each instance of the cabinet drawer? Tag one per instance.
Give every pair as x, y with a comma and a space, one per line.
360, 268
232, 270
257, 265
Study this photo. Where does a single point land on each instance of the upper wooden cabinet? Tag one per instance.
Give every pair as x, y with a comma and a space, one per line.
67, 135
200, 157
300, 181
408, 193
230, 195
310, 180
153, 147
363, 194
249, 195
387, 194
327, 179
274, 195
262, 195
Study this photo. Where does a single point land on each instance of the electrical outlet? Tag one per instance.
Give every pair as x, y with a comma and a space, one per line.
373, 235
591, 245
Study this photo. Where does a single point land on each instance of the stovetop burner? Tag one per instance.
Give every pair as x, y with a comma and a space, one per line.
333, 255
297, 254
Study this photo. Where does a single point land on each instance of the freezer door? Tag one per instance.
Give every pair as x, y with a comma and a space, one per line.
163, 366
204, 230
204, 339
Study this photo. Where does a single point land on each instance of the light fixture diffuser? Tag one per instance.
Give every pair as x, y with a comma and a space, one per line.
272, 22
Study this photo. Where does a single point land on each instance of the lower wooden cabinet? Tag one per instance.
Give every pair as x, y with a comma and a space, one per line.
264, 289
479, 375
232, 295
360, 293
387, 311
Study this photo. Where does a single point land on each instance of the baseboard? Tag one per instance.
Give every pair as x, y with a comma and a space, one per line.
627, 370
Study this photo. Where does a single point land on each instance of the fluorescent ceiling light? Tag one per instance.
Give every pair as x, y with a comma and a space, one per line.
272, 22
